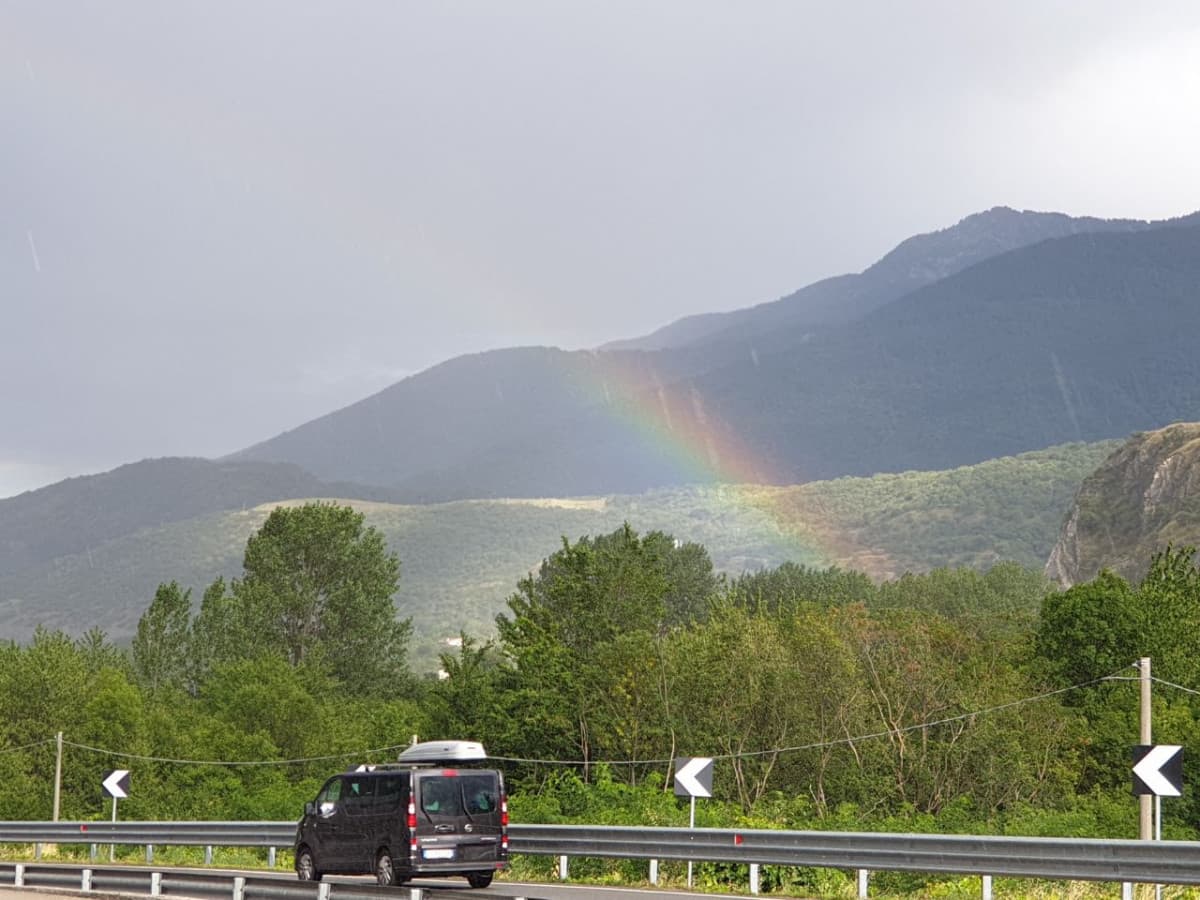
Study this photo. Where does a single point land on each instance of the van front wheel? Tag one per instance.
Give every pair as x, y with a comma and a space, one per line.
385, 870
479, 879
306, 867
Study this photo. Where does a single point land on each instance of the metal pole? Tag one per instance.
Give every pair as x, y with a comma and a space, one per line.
691, 824
112, 848
1157, 836
1145, 802
57, 776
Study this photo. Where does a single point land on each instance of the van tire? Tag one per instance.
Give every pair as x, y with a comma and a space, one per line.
385, 869
479, 879
306, 866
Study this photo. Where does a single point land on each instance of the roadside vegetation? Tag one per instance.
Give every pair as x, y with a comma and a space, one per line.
955, 701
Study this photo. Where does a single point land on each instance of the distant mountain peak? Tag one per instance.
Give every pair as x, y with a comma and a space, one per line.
912, 264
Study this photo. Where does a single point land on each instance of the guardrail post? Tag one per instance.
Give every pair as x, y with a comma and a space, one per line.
155, 883
239, 888
95, 851
270, 857
208, 855
562, 868
19, 875
863, 877
987, 887
149, 853
654, 871
754, 878
85, 881
323, 891
37, 850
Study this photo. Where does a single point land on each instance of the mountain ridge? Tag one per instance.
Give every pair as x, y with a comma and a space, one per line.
935, 379
913, 263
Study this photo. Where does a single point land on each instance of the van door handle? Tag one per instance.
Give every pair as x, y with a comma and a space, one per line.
443, 829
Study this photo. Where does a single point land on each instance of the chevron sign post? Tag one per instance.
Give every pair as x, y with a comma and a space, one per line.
115, 784
693, 778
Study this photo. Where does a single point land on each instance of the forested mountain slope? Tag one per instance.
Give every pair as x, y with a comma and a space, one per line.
460, 561
1079, 338
78, 513
1085, 337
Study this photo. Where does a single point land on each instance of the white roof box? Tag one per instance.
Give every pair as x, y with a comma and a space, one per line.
443, 751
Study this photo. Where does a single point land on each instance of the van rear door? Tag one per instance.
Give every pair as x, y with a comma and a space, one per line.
458, 816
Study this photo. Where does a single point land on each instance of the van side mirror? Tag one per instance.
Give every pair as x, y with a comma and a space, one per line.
310, 808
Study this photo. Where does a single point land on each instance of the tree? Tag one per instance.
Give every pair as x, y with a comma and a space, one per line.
1169, 602
467, 699
318, 590
581, 640
1091, 629
161, 646
741, 694
790, 585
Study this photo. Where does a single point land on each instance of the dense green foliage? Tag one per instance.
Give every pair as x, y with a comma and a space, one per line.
461, 560
953, 700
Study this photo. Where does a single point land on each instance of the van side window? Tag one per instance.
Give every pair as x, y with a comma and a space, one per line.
389, 791
357, 793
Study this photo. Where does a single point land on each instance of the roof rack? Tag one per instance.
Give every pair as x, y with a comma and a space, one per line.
429, 752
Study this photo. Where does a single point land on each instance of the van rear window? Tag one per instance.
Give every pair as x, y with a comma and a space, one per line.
441, 796
469, 793
480, 793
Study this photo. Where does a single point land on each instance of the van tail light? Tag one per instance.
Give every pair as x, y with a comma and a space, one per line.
504, 822
412, 827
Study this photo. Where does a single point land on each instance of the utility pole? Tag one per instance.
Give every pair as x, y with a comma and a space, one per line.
57, 776
1146, 801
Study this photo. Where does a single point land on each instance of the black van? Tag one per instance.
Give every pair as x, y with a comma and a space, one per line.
420, 816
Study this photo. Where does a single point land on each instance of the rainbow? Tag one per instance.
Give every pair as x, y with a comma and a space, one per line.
672, 417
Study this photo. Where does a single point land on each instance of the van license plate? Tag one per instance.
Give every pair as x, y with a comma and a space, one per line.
439, 853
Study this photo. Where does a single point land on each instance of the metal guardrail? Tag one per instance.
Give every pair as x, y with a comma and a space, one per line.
182, 883
1162, 862
184, 834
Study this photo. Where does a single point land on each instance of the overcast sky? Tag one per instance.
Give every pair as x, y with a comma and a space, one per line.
219, 220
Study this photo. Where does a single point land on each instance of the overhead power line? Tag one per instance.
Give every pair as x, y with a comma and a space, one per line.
1178, 687
28, 746
358, 754
817, 745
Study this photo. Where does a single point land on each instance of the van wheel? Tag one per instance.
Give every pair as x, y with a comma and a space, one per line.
306, 866
385, 870
479, 879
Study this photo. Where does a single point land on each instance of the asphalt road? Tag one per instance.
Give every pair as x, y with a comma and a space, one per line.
499, 889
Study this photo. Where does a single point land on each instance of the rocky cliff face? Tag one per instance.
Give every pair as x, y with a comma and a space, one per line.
1143, 497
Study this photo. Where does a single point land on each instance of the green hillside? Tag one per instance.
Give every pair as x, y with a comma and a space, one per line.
460, 561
